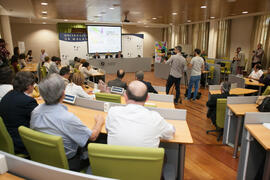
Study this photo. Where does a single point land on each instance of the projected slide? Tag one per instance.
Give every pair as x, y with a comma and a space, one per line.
103, 39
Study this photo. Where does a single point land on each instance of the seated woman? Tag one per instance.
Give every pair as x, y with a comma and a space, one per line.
29, 56
22, 60
16, 107
76, 87
256, 73
86, 70
6, 76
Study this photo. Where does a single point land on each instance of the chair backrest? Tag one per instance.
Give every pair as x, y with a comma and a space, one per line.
108, 97
43, 72
266, 91
125, 162
210, 61
211, 72
221, 112
6, 143
44, 148
214, 87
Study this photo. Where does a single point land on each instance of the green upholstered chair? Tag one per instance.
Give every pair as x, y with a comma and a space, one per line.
115, 98
43, 72
44, 148
125, 162
266, 91
227, 68
211, 72
220, 117
210, 61
6, 142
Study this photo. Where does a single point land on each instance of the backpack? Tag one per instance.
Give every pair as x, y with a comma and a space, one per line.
265, 105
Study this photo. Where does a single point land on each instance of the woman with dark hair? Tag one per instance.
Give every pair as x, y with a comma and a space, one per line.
6, 76
16, 107
87, 70
29, 56
4, 53
14, 63
16, 51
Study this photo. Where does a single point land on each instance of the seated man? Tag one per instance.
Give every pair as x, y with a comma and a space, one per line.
119, 55
139, 76
212, 102
118, 81
265, 79
16, 107
135, 125
96, 56
52, 117
65, 73
56, 62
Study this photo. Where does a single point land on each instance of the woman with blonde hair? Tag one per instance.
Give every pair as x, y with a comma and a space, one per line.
75, 88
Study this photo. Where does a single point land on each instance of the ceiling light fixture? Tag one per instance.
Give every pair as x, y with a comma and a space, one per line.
44, 12
111, 8
244, 12
212, 17
189, 21
43, 22
66, 20
154, 18
44, 17
203, 7
139, 22
174, 13
44, 4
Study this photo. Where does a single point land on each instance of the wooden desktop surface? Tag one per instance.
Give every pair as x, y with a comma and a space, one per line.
260, 133
31, 67
97, 74
253, 83
8, 176
236, 91
241, 109
182, 135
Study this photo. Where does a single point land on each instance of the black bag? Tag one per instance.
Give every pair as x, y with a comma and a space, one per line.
265, 105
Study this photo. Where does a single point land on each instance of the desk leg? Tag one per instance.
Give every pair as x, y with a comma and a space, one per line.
206, 83
266, 172
181, 161
260, 90
238, 130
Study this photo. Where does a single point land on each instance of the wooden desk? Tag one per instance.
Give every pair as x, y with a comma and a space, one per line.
262, 135
236, 91
31, 67
8, 176
95, 74
254, 83
240, 110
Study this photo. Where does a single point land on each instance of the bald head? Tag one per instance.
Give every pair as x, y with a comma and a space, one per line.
137, 91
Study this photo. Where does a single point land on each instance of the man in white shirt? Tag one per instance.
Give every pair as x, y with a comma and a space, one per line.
43, 55
197, 66
256, 73
133, 124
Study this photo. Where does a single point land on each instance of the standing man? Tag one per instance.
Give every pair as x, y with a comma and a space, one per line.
257, 55
43, 55
178, 64
240, 60
197, 66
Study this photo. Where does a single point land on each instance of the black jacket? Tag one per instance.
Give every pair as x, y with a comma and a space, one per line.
15, 109
150, 87
117, 82
265, 79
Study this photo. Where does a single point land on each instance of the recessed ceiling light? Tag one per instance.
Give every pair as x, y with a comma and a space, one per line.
244, 12
65, 19
188, 20
144, 23
44, 12
139, 22
146, 26
111, 8
44, 17
44, 4
43, 22
154, 18
212, 17
203, 7
174, 13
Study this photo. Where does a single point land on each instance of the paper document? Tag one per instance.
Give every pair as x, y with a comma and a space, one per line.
267, 125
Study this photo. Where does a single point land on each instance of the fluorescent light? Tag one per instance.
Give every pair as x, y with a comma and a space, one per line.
44, 23
203, 7
154, 18
44, 4
66, 20
188, 20
174, 13
212, 17
44, 17
244, 12
111, 8
44, 12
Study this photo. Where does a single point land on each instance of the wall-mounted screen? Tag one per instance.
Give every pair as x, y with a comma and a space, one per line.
104, 39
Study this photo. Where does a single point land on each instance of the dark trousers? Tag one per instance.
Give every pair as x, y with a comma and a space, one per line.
176, 81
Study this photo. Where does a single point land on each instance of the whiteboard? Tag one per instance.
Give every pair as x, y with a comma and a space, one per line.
132, 45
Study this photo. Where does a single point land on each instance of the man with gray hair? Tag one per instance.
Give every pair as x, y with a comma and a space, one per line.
140, 76
53, 118
135, 125
178, 64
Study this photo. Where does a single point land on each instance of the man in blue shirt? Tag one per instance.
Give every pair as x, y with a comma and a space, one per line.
53, 118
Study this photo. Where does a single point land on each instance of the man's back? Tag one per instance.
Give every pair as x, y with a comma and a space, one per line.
178, 63
197, 63
134, 125
117, 82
